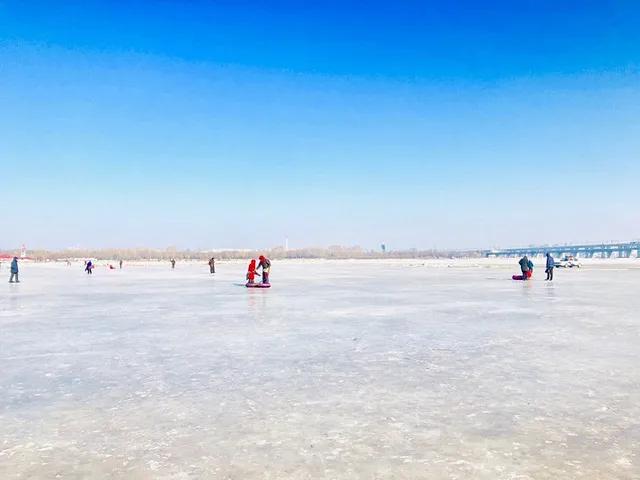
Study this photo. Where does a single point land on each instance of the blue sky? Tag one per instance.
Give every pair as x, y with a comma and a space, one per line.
237, 124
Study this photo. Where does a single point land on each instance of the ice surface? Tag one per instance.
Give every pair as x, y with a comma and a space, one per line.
341, 370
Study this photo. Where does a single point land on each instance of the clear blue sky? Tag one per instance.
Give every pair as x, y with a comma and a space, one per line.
237, 123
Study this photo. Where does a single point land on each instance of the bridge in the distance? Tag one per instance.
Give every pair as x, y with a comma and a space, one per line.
606, 250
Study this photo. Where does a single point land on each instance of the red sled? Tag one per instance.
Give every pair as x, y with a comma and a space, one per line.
521, 277
258, 285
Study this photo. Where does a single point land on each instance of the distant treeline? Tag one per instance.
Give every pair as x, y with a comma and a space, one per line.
333, 252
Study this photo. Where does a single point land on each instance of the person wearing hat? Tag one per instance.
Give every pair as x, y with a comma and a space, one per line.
265, 264
251, 272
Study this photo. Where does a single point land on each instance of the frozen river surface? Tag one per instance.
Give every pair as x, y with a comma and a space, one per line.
342, 370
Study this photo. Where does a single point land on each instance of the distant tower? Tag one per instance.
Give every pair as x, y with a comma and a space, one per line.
23, 251
286, 243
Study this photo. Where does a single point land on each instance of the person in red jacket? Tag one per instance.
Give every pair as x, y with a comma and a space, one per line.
251, 272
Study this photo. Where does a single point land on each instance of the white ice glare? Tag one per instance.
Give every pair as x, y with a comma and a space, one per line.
343, 370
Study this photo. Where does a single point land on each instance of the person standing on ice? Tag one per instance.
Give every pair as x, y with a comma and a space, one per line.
14, 270
265, 264
212, 265
89, 268
173, 263
120, 264
524, 267
551, 263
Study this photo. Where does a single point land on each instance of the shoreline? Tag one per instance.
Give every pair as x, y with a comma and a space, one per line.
587, 263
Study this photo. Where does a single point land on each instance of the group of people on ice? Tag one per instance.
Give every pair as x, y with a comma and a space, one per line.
262, 263
526, 267
265, 264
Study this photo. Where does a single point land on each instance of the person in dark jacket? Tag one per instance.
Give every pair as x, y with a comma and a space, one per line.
265, 264
524, 267
212, 265
89, 267
551, 263
14, 270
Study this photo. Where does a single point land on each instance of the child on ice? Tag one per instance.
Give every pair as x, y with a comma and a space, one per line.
251, 272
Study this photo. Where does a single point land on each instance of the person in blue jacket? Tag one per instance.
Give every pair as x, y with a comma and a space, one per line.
14, 270
551, 263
